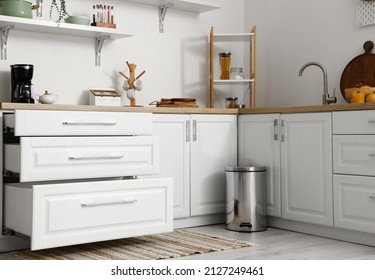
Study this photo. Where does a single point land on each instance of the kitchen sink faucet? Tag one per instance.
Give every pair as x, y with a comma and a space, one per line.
326, 98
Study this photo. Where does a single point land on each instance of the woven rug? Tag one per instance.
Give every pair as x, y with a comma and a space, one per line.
151, 247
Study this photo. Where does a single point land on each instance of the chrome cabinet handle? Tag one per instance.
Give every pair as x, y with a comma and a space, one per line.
187, 131
93, 204
90, 123
88, 158
275, 133
371, 121
371, 197
195, 131
372, 155
282, 131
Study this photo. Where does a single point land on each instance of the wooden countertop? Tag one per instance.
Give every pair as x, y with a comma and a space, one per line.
282, 110
66, 107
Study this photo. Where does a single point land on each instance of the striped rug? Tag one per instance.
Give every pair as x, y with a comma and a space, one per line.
151, 247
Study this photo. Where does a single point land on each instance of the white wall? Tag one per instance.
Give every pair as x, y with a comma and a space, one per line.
176, 62
293, 32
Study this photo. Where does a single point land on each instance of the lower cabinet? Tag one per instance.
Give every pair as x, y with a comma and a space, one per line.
68, 213
354, 201
194, 150
296, 149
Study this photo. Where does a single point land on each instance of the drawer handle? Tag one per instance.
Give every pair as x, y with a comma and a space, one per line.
371, 197
94, 204
90, 123
371, 121
90, 158
372, 155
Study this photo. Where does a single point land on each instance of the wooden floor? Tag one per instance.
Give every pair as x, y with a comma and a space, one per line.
275, 244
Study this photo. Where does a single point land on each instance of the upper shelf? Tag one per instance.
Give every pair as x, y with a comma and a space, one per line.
44, 26
194, 6
233, 37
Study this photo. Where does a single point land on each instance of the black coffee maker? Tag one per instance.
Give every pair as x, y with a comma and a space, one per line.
21, 75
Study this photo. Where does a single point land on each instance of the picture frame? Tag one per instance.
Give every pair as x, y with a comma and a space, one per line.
105, 92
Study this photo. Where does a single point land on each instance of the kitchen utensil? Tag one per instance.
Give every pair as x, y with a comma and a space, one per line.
360, 70
46, 98
17, 8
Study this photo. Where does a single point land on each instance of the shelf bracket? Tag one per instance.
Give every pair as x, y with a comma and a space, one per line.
4, 40
162, 12
98, 48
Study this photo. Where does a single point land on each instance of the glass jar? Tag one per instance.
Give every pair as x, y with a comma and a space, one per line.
224, 61
231, 102
236, 73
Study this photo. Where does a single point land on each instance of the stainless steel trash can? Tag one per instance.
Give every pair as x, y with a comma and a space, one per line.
246, 205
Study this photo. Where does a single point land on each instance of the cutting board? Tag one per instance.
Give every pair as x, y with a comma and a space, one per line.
360, 69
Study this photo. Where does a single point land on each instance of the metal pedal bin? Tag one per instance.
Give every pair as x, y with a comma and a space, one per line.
246, 204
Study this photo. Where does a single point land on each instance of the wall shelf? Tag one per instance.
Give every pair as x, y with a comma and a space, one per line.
193, 6
32, 25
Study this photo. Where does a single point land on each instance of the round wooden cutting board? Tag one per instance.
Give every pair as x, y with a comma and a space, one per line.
360, 70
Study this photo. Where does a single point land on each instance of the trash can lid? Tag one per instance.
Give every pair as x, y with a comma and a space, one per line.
245, 168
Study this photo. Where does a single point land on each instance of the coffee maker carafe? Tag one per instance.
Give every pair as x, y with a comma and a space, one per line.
21, 75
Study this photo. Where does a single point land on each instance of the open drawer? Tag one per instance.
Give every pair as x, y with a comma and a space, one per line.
62, 158
61, 214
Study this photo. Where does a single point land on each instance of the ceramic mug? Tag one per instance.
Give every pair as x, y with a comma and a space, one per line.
138, 85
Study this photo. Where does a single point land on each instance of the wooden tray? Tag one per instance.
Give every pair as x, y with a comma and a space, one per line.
360, 69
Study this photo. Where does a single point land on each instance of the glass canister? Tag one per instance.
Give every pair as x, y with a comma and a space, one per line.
224, 60
231, 102
236, 73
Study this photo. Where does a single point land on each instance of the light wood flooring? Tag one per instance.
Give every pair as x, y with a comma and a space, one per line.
276, 244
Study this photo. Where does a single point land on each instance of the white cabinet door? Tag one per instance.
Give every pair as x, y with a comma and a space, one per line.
259, 145
213, 146
174, 132
306, 168
354, 200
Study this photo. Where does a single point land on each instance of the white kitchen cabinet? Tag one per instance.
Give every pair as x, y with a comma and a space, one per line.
195, 150
354, 201
60, 214
306, 168
64, 184
173, 132
259, 145
296, 150
353, 167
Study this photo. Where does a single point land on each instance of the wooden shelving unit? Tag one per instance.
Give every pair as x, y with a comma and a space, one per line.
251, 79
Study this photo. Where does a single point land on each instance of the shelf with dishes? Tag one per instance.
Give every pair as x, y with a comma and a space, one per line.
100, 34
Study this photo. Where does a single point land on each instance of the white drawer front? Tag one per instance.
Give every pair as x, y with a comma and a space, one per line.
43, 123
60, 158
72, 213
354, 122
354, 202
354, 154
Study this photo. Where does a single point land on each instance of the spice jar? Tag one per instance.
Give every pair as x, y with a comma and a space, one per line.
231, 102
236, 73
224, 60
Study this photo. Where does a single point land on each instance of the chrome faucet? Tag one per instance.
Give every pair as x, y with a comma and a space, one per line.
326, 98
